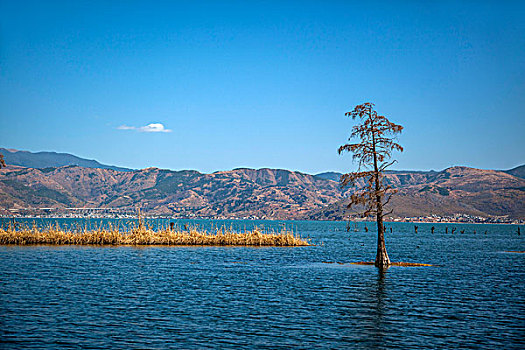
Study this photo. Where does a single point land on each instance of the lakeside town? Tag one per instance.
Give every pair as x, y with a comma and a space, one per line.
126, 213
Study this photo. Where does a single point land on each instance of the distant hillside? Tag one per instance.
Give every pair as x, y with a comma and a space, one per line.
518, 171
335, 176
330, 175
266, 193
242, 192
50, 160
453, 190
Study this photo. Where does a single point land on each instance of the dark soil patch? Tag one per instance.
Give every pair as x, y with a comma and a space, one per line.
400, 263
406, 264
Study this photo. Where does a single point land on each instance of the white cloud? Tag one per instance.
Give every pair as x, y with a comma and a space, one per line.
153, 127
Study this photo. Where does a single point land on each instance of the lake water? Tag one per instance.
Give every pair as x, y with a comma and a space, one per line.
72, 297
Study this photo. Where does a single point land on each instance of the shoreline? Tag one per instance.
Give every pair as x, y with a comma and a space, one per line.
514, 222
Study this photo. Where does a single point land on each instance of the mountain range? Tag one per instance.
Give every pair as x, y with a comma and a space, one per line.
263, 193
50, 159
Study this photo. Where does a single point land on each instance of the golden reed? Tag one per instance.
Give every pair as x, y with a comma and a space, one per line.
146, 236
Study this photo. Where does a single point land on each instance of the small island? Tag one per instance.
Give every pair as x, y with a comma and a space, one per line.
146, 237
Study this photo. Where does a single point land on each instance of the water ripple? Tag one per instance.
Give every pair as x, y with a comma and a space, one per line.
269, 298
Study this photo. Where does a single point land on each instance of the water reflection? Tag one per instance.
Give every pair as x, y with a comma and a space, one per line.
375, 305
378, 294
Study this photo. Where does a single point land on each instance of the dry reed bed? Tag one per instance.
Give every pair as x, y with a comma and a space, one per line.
144, 236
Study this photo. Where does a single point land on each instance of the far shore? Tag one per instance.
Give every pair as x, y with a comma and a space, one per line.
160, 217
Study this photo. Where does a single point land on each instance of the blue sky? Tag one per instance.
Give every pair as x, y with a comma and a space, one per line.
220, 85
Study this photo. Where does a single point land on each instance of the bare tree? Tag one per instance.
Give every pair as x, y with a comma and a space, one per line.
2, 162
376, 136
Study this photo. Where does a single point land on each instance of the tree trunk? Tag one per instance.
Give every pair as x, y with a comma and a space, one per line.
382, 259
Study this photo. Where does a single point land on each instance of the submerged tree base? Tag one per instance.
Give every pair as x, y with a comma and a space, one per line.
143, 236
372, 263
400, 263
